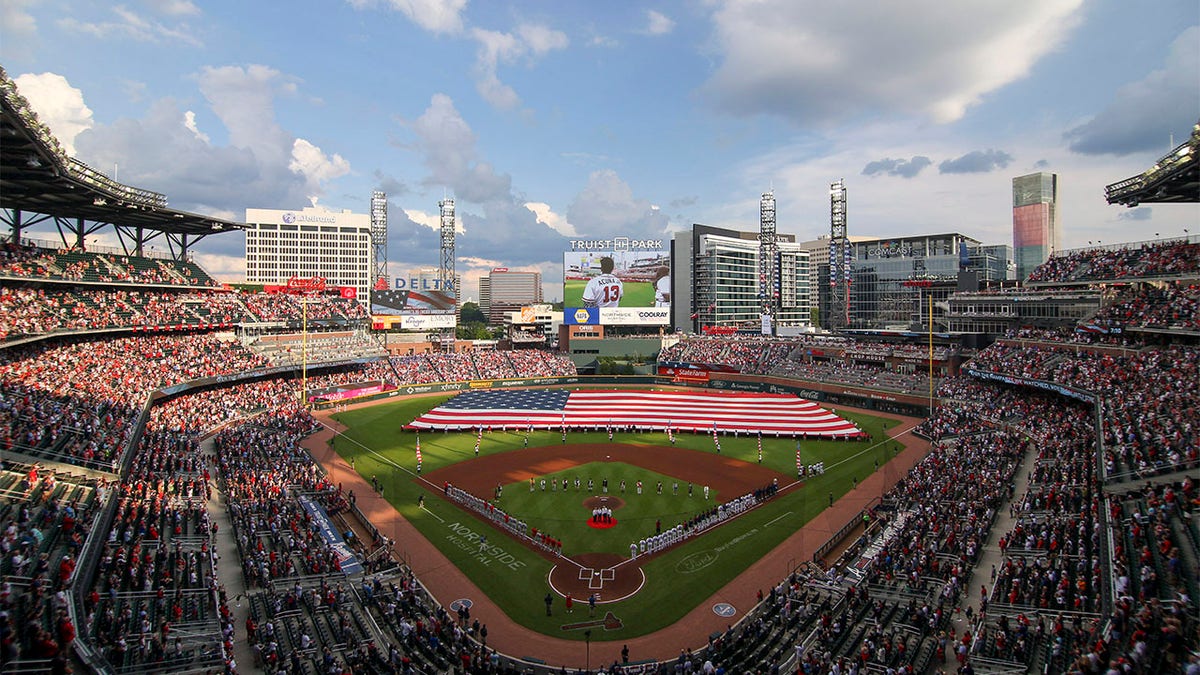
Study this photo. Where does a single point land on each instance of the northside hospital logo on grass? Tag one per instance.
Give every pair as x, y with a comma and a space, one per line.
468, 540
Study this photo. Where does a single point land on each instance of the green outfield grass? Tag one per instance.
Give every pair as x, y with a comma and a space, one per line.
636, 293
516, 577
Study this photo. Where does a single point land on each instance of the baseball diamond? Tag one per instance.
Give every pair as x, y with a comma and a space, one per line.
745, 554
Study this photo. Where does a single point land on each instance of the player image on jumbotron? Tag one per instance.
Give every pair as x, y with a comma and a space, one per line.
616, 279
604, 289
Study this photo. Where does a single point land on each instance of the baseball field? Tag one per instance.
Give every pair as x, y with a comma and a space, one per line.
635, 596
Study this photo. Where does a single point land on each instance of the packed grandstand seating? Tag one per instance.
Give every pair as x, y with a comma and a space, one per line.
46, 517
1100, 546
1171, 258
289, 349
815, 358
455, 367
1148, 397
1171, 306
29, 311
29, 261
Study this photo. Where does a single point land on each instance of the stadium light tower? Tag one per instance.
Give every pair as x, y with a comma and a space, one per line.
379, 236
446, 269
768, 252
839, 258
447, 281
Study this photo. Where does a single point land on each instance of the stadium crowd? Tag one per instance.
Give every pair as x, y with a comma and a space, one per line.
1146, 394
30, 261
1172, 305
1090, 580
812, 359
1169, 258
30, 311
481, 364
49, 516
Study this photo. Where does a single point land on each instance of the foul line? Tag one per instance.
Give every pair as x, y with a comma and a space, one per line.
768, 523
381, 458
388, 461
864, 451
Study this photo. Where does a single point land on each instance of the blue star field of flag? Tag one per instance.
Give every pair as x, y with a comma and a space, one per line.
529, 399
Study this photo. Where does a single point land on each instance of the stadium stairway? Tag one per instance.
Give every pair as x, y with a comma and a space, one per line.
228, 565
991, 556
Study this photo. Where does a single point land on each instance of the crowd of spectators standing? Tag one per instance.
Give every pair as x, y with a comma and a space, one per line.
886, 603
1080, 588
1174, 305
480, 364
49, 515
1149, 396
1059, 601
27, 310
77, 400
814, 358
1169, 258
34, 262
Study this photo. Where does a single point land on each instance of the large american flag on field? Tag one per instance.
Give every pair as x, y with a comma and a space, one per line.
775, 414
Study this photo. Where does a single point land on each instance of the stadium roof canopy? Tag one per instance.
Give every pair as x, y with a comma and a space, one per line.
39, 182
1174, 178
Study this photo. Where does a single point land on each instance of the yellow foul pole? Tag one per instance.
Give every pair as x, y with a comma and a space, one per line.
931, 353
303, 352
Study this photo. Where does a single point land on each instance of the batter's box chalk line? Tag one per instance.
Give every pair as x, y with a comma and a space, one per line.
609, 574
586, 573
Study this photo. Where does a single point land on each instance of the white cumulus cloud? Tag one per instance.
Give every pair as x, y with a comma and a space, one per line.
555, 221
658, 23
497, 48
189, 121
57, 104
1143, 113
435, 16
811, 61
432, 220
317, 167
607, 207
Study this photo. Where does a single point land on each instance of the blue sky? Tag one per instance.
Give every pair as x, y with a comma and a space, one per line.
552, 119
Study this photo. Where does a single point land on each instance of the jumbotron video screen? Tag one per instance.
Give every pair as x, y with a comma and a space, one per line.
617, 287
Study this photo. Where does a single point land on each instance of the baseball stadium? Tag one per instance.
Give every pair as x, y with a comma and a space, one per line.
199, 478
